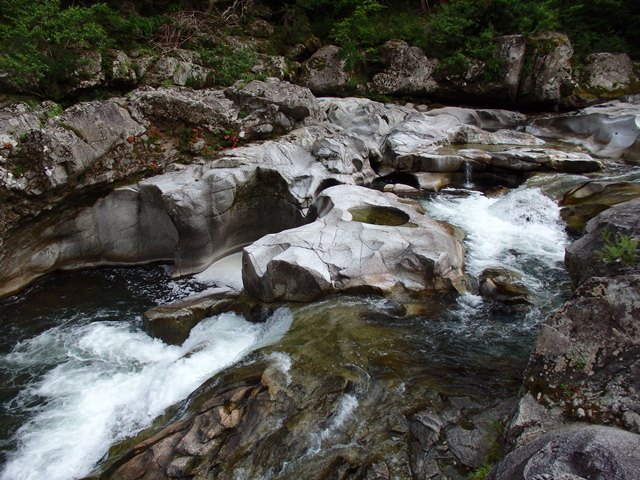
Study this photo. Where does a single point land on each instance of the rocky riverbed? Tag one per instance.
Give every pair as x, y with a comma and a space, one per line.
384, 372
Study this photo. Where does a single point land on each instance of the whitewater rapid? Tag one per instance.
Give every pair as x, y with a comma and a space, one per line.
110, 380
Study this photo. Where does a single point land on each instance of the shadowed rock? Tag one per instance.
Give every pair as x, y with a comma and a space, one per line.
574, 453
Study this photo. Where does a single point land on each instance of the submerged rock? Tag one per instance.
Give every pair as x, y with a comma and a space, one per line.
327, 399
504, 286
173, 323
361, 241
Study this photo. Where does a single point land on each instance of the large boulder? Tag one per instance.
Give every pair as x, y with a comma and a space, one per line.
80, 146
324, 73
574, 453
200, 212
366, 118
181, 68
511, 56
608, 72
588, 199
588, 257
607, 130
548, 76
209, 108
286, 102
362, 241
585, 362
408, 71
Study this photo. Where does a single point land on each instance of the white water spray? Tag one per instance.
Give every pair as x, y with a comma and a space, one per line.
509, 231
110, 382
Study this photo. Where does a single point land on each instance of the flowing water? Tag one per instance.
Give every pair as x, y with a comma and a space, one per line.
79, 374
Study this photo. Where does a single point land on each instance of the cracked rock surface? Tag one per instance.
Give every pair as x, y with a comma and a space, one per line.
362, 240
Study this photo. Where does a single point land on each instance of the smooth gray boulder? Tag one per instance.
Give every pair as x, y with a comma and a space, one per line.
362, 241
610, 129
129, 226
195, 214
539, 159
575, 453
295, 102
363, 116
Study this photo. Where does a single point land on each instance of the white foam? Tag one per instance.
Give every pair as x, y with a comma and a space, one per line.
111, 381
282, 361
507, 231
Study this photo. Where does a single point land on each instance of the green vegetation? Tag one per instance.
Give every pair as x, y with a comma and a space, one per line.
460, 31
481, 472
48, 43
618, 248
45, 42
229, 64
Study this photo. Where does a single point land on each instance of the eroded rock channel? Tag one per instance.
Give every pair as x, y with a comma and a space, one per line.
360, 333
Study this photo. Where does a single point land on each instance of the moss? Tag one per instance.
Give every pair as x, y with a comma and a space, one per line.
377, 215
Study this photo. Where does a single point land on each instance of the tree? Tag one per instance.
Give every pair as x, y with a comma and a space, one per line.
41, 42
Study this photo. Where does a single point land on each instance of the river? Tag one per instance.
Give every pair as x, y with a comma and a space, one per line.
79, 374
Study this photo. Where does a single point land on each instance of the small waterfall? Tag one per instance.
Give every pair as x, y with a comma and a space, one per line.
468, 171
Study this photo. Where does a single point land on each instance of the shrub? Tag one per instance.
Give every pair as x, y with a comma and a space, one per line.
229, 64
41, 42
618, 248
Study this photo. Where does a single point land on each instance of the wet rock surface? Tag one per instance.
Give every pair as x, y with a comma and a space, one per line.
257, 419
302, 410
584, 364
504, 286
607, 130
583, 369
172, 323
